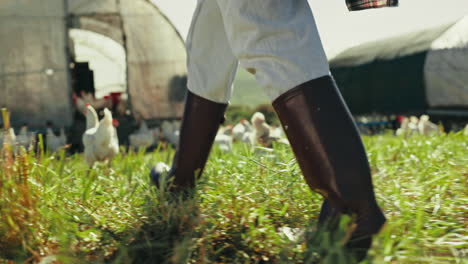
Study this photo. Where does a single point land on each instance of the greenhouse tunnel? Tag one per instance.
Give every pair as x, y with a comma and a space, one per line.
43, 40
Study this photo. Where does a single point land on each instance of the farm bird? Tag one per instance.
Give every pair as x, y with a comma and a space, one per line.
9, 139
466, 130
403, 130
54, 143
176, 125
100, 138
170, 133
276, 132
25, 138
225, 130
156, 132
122, 105
159, 169
263, 133
63, 136
261, 129
249, 138
143, 137
426, 127
7, 136
223, 140
240, 129
413, 125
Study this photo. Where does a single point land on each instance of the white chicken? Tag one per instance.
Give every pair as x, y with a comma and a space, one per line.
261, 129
240, 129
156, 135
100, 138
54, 143
142, 138
426, 127
224, 138
9, 139
224, 142
170, 133
276, 132
176, 125
403, 130
263, 133
225, 130
25, 138
248, 138
413, 125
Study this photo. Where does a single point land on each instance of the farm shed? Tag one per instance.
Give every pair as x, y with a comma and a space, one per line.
425, 71
131, 46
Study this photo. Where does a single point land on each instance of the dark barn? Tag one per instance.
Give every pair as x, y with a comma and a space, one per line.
421, 72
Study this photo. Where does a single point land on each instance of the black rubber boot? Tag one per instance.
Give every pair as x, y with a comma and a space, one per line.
330, 153
200, 123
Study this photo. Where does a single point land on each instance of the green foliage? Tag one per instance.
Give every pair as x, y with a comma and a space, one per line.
54, 208
237, 112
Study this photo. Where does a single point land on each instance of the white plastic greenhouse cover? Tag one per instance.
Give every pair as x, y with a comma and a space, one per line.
446, 67
33, 62
34, 72
155, 52
390, 48
106, 58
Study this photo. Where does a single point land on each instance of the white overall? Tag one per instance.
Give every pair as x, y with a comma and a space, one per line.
277, 40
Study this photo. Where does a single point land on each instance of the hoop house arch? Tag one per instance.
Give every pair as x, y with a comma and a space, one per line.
155, 52
106, 58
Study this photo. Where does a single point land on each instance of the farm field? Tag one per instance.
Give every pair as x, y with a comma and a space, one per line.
246, 209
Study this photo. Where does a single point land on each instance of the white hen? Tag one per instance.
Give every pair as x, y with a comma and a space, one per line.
100, 138
170, 133
142, 138
224, 142
426, 127
261, 129
25, 138
54, 143
240, 129
413, 125
9, 139
263, 133
224, 139
403, 130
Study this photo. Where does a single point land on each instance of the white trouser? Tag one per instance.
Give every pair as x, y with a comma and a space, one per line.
277, 40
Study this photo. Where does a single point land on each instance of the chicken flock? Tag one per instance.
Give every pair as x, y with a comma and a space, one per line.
413, 125
100, 139
257, 132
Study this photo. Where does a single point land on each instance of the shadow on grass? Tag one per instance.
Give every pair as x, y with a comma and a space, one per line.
175, 231
168, 233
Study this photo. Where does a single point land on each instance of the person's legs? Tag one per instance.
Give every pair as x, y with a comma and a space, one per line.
278, 41
331, 155
211, 69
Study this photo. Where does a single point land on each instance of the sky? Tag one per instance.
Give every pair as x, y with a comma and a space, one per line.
341, 29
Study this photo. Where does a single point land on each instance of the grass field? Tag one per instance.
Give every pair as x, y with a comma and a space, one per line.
55, 210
